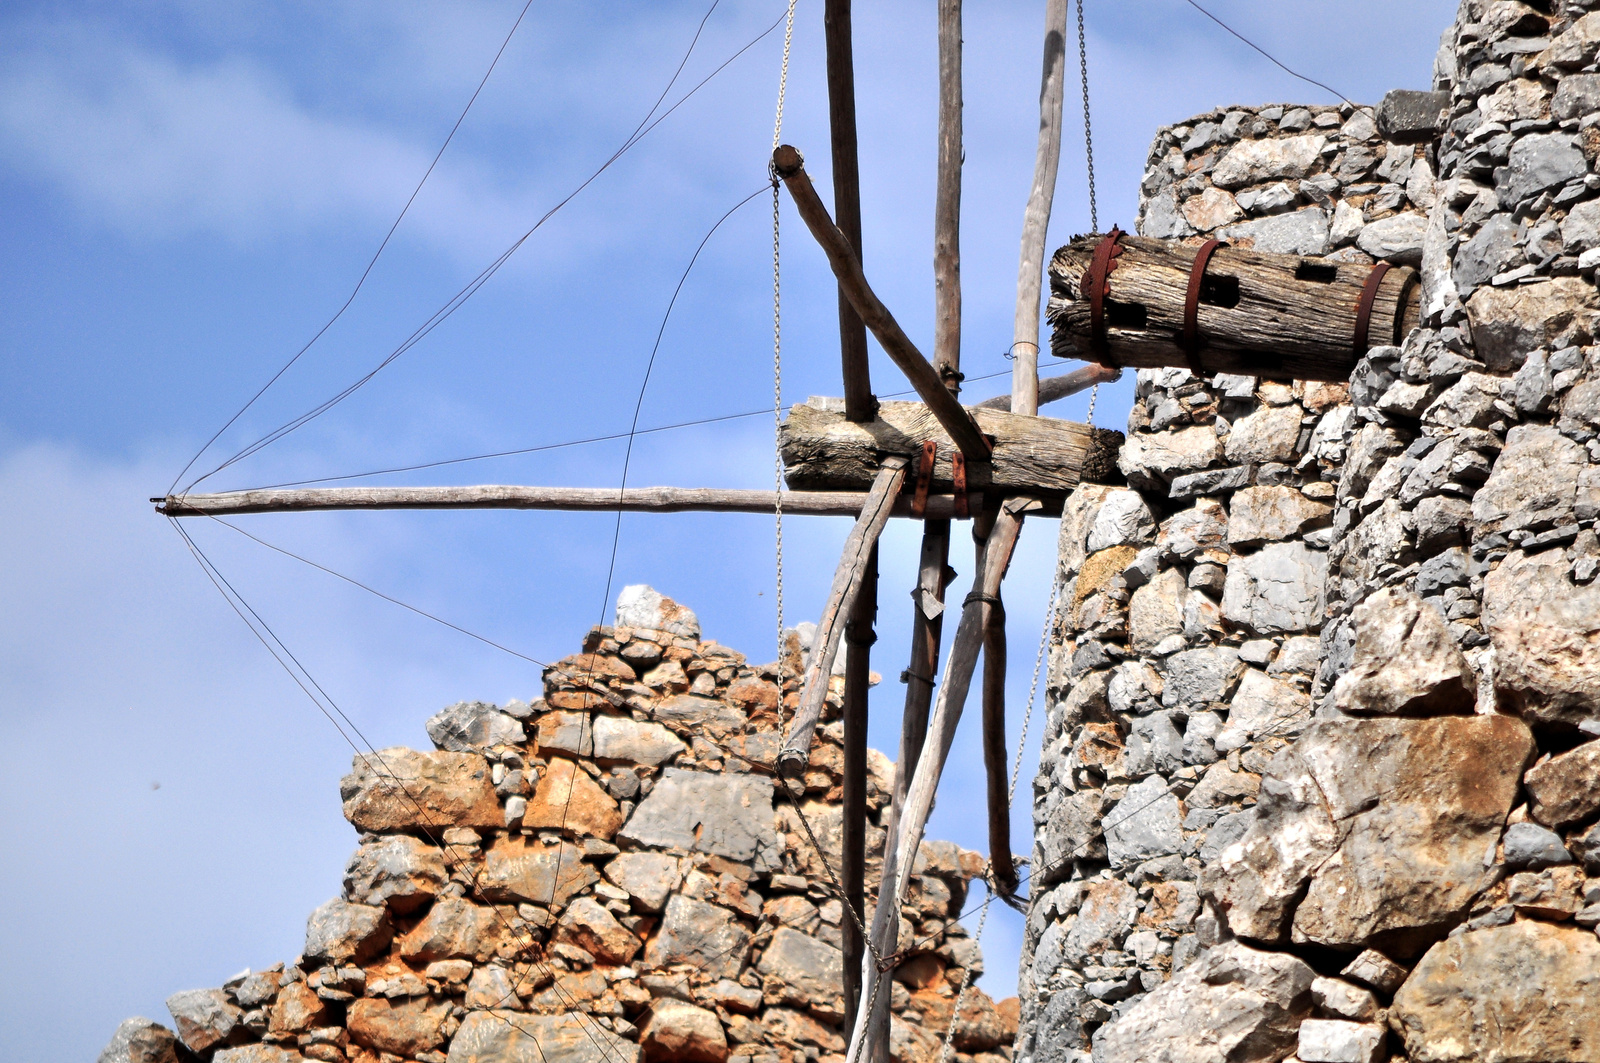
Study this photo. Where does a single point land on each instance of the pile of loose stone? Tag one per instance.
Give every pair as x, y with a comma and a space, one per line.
1321, 778
605, 875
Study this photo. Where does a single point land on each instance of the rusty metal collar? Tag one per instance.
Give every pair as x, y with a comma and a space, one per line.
1189, 340
1369, 295
1096, 284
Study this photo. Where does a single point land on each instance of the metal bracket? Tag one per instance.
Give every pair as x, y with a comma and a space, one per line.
1096, 284
1369, 295
958, 479
1189, 340
919, 499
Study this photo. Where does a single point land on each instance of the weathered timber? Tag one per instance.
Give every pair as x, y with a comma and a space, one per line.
900, 849
860, 404
796, 752
1053, 388
994, 746
1277, 316
1026, 395
858, 639
947, 206
790, 168
594, 499
824, 451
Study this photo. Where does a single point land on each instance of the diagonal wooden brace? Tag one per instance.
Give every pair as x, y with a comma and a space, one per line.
790, 168
796, 751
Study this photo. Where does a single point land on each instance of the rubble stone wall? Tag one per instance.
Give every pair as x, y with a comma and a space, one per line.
606, 875
1321, 777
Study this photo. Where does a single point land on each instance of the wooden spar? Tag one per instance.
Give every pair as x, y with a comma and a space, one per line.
823, 451
900, 850
858, 637
994, 746
594, 499
789, 167
947, 204
1255, 314
860, 404
1054, 388
1025, 387
796, 751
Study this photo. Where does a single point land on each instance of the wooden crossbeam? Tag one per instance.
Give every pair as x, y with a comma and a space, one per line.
591, 499
796, 751
790, 168
1055, 388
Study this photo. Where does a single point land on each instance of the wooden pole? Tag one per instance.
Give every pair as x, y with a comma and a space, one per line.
859, 637
790, 168
590, 499
900, 850
994, 746
1054, 388
860, 404
947, 203
796, 751
1025, 396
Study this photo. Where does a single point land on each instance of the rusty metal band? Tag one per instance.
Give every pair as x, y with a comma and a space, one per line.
1369, 295
1096, 285
919, 499
958, 480
1189, 339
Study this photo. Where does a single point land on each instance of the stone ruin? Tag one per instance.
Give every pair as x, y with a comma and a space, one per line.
605, 875
1320, 780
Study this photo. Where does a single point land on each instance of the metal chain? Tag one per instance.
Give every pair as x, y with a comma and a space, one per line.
838, 887
777, 349
1094, 393
1033, 689
1088, 135
966, 980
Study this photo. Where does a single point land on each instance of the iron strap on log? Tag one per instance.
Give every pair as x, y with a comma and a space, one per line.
1224, 309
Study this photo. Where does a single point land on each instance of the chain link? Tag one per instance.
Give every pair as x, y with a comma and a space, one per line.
777, 347
1033, 689
1088, 135
1094, 394
966, 980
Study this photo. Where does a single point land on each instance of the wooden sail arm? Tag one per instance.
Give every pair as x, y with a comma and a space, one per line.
592, 499
796, 751
790, 168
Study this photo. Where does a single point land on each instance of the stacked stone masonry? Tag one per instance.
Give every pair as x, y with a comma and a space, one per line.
606, 875
1321, 779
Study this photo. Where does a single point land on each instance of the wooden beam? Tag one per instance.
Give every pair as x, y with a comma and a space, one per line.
900, 850
593, 499
994, 746
790, 168
860, 404
796, 752
1054, 388
1025, 393
947, 204
858, 638
824, 451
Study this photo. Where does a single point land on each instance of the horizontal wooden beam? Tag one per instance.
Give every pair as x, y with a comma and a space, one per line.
822, 451
594, 499
1053, 388
790, 167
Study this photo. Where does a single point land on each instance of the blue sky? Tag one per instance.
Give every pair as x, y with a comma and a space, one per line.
190, 189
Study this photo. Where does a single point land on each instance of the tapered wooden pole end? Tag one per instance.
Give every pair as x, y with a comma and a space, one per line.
792, 764
787, 161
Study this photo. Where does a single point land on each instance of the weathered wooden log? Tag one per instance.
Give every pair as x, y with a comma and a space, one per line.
591, 499
1055, 388
858, 547
858, 637
1246, 312
858, 397
824, 451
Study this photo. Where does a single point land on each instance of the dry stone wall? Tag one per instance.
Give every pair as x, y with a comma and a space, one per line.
606, 875
1320, 782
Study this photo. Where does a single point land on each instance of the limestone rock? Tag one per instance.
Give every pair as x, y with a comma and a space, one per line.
513, 1037
1507, 323
1110, 907
702, 934
618, 738
800, 970
1277, 590
204, 1018
402, 1027
1566, 789
402, 789
1397, 238
468, 726
594, 929
1203, 526
1406, 661
678, 1031
1386, 819
340, 932
640, 606
690, 713
455, 928
1145, 824
1533, 483
1523, 991
297, 1010
1343, 1000
1532, 846
1300, 232
1546, 635
1373, 968
728, 815
516, 868
1541, 161
567, 799
1155, 611
1211, 209
395, 869
1123, 518
1196, 678
1269, 434
490, 987
648, 877
1234, 1004
1262, 708
1407, 116
1152, 459
1270, 514
1339, 1041
141, 1041
1254, 162
258, 1053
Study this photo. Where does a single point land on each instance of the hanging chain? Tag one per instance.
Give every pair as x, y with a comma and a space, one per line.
1033, 689
1094, 393
1088, 135
966, 980
777, 349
